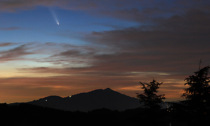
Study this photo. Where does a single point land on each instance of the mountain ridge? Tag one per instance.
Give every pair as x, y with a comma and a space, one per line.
88, 101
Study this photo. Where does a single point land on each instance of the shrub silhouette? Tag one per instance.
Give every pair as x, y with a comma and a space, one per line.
198, 92
150, 97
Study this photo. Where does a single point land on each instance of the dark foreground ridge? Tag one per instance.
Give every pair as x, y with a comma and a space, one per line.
100, 108
97, 99
30, 115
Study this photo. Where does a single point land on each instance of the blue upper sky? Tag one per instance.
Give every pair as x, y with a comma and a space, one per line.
39, 25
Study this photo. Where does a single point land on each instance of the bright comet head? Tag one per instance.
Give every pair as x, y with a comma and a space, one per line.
55, 17
58, 23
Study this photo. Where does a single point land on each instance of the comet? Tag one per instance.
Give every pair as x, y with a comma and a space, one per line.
54, 16
58, 23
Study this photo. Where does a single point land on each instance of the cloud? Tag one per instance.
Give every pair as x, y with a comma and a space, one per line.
14, 54
89, 71
9, 28
4, 44
145, 12
173, 44
15, 5
136, 10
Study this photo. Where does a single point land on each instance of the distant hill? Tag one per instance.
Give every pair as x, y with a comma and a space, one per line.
97, 99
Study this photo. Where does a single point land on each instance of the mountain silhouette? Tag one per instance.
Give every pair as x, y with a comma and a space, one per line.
97, 99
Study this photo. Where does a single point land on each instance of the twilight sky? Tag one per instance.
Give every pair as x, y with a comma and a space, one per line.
64, 47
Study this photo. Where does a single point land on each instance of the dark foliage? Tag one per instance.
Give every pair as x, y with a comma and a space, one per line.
198, 92
150, 97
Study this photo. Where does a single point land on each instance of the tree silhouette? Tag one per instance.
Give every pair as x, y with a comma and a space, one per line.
198, 92
150, 97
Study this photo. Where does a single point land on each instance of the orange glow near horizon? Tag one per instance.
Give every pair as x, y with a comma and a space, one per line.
22, 89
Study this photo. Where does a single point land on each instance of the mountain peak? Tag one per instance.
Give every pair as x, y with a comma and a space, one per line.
53, 96
108, 89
